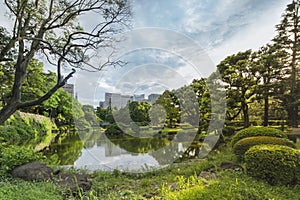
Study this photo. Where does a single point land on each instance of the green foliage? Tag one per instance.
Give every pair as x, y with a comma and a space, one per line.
228, 131
287, 41
24, 126
19, 190
12, 156
9, 133
90, 115
244, 144
257, 131
113, 130
238, 72
169, 101
204, 102
189, 188
139, 112
273, 163
270, 70
231, 185
37, 82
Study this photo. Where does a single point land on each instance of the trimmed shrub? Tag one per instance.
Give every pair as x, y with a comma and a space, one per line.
243, 145
275, 164
257, 131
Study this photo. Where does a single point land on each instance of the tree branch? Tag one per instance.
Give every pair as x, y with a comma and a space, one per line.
48, 94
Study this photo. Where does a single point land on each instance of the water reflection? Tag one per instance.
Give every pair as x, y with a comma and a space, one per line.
94, 150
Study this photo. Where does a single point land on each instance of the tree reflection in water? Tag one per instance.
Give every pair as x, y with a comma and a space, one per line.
66, 149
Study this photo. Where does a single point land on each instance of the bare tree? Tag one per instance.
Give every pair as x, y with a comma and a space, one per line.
51, 28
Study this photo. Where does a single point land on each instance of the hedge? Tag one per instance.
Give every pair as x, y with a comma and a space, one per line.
275, 164
244, 144
257, 131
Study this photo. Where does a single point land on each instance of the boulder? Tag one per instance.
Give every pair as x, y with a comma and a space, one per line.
34, 171
72, 182
38, 171
231, 166
208, 175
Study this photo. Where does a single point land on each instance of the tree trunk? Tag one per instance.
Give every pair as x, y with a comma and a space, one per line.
293, 116
7, 111
245, 115
266, 110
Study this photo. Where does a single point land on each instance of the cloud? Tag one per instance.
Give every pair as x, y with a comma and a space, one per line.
187, 37
256, 34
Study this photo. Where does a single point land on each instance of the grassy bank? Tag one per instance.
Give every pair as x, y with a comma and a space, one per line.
178, 181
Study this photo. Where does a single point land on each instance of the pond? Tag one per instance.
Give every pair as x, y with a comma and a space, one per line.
93, 150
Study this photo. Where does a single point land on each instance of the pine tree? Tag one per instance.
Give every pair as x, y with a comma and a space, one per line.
288, 41
268, 66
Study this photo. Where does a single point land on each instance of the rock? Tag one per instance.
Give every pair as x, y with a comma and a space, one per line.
38, 171
208, 175
74, 181
231, 166
34, 171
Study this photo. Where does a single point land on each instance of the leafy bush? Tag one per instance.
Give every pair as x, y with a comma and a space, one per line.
113, 130
228, 131
273, 163
9, 133
24, 126
12, 156
243, 145
257, 131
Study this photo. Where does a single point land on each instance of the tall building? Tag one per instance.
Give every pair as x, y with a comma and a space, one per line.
152, 98
69, 88
117, 100
139, 97
125, 99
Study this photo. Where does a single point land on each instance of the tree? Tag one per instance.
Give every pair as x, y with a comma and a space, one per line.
270, 73
288, 41
157, 115
139, 112
170, 103
90, 115
201, 90
239, 74
51, 29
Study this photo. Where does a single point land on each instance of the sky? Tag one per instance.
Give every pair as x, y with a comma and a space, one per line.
173, 42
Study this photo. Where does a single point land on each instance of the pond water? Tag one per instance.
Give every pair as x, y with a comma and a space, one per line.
93, 150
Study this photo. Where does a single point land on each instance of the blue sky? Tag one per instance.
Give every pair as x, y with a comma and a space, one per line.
184, 39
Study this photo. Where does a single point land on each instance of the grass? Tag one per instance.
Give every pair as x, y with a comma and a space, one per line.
230, 185
17, 189
177, 181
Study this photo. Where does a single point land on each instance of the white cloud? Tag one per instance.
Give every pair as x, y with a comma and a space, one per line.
253, 36
220, 27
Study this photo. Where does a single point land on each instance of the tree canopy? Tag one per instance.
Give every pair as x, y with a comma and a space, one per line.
51, 30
